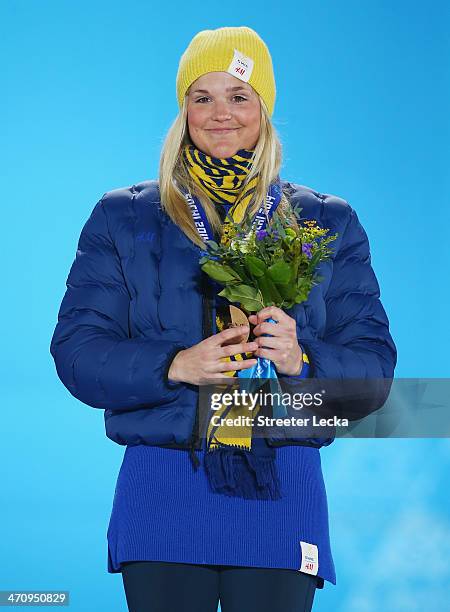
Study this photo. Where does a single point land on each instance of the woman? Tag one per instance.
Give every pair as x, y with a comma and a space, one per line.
136, 336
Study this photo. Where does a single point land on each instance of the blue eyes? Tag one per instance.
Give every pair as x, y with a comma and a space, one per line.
206, 98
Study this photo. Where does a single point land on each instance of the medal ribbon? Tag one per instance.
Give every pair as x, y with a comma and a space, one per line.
260, 220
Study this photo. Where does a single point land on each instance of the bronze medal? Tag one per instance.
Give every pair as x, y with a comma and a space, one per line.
238, 317
230, 316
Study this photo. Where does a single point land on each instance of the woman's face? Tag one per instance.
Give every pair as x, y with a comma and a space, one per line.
224, 114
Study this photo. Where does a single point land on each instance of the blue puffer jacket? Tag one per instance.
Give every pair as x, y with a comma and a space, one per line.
135, 297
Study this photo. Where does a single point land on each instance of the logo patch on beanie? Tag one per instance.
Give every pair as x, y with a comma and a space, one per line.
241, 66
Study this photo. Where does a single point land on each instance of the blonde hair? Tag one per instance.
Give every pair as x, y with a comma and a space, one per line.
266, 160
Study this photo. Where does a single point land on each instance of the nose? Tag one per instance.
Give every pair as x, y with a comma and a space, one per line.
221, 111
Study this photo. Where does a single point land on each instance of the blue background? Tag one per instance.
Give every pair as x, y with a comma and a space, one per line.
88, 94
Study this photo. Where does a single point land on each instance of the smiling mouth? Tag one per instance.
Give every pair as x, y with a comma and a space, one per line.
222, 130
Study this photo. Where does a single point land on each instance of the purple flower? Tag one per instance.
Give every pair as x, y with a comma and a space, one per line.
261, 234
306, 248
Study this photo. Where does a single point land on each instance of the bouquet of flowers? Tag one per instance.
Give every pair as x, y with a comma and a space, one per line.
272, 266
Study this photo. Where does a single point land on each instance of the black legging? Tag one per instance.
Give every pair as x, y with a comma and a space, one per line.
153, 586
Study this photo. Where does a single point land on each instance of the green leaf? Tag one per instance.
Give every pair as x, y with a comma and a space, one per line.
280, 272
242, 273
212, 245
269, 292
288, 292
255, 266
294, 270
314, 261
303, 288
247, 296
219, 272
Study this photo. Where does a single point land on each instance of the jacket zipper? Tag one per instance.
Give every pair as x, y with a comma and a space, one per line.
192, 454
208, 330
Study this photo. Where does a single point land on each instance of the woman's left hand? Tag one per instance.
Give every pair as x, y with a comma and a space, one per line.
283, 347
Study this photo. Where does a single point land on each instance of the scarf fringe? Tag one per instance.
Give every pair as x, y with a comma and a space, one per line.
239, 473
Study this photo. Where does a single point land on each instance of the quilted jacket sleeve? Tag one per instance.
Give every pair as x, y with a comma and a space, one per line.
357, 343
94, 356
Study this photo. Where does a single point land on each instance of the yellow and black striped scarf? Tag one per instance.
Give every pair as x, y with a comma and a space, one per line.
222, 179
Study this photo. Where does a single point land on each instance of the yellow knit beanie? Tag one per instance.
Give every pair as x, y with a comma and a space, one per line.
237, 50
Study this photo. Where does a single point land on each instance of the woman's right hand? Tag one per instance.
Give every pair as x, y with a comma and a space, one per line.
203, 362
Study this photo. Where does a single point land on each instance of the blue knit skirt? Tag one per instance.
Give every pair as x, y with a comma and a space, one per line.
164, 510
